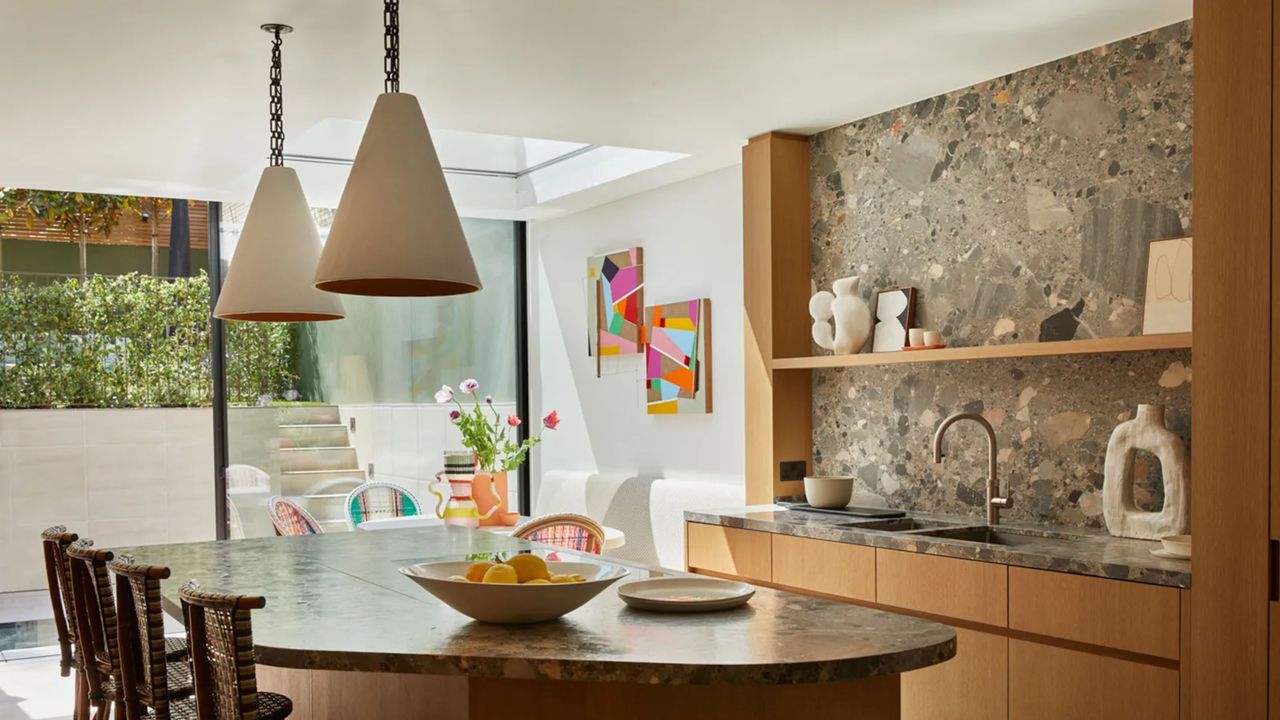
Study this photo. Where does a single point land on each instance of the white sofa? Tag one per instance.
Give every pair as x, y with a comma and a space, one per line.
649, 510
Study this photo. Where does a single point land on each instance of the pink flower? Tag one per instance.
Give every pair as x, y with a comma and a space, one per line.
454, 415
551, 420
513, 421
469, 385
444, 394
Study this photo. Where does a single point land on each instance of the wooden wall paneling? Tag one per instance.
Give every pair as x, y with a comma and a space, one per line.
1075, 684
1273, 669
775, 262
728, 551
1232, 321
1131, 616
834, 568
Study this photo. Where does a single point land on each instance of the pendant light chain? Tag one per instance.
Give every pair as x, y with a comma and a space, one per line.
391, 44
276, 104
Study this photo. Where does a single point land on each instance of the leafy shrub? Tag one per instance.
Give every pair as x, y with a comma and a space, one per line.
128, 341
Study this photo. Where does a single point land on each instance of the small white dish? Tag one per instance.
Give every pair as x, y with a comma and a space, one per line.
828, 492
1162, 553
685, 594
509, 603
1177, 544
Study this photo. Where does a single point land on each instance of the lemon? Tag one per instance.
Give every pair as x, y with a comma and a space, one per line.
537, 581
476, 570
529, 567
500, 573
560, 579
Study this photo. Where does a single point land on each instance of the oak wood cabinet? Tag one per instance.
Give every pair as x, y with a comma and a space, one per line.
729, 551
1030, 643
826, 567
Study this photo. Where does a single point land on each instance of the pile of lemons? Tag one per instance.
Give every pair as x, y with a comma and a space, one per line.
516, 570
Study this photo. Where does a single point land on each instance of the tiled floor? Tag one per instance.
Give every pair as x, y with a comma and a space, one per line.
32, 690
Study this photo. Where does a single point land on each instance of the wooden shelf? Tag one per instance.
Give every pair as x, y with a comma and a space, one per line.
1136, 343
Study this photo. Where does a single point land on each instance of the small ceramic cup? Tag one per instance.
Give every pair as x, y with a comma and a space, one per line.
1176, 544
932, 337
828, 492
916, 337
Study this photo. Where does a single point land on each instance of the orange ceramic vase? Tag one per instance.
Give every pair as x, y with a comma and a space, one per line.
490, 490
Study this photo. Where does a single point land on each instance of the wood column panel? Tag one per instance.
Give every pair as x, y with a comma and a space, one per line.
1232, 318
775, 267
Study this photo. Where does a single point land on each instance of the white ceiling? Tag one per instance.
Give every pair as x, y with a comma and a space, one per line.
168, 98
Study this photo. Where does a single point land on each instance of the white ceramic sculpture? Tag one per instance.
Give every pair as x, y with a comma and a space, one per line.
1146, 431
851, 314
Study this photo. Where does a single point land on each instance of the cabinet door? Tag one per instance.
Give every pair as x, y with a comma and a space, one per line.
833, 568
728, 551
974, 685
949, 587
1081, 686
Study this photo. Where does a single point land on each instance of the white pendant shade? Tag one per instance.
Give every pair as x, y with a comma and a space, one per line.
270, 278
396, 231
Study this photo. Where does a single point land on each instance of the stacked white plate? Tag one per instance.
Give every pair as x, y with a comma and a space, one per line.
685, 594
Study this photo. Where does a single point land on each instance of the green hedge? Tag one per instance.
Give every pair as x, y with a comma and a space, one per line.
128, 341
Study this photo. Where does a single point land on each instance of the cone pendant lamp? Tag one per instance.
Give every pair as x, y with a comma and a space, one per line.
396, 231
270, 278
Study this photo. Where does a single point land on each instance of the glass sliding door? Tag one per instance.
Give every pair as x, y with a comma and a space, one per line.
357, 400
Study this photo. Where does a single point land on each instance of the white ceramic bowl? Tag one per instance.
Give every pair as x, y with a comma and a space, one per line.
1177, 545
513, 604
828, 492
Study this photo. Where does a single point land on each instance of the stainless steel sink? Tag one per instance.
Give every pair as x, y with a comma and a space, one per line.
904, 524
995, 536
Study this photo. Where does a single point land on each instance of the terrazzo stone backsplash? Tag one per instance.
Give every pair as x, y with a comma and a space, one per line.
1020, 209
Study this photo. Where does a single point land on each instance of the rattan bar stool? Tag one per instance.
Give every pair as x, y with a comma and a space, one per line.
54, 541
220, 634
97, 631
151, 683
566, 530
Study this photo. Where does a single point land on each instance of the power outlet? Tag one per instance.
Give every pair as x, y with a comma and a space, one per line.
792, 469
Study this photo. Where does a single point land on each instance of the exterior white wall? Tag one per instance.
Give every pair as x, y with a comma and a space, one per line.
691, 233
121, 477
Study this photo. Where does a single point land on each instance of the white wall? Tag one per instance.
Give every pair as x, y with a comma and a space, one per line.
691, 233
136, 476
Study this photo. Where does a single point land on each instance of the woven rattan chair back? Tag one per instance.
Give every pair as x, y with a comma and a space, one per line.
565, 530
54, 542
372, 500
95, 616
143, 670
220, 635
290, 518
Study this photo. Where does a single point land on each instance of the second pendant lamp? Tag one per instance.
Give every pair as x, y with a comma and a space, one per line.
270, 278
396, 231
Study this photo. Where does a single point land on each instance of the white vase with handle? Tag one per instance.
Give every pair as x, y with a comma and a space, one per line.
1146, 431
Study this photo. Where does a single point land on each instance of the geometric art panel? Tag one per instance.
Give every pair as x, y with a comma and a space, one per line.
678, 358
616, 286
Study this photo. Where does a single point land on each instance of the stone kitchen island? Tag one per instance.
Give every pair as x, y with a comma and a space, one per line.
345, 635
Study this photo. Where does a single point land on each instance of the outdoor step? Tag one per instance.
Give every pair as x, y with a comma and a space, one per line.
308, 415
325, 482
300, 436
318, 458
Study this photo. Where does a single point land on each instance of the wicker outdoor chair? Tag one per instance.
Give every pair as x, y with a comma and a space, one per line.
152, 683
235, 526
290, 518
55, 541
372, 500
565, 530
98, 632
221, 636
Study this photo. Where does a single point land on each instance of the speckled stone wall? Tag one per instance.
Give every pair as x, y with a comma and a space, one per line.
1020, 209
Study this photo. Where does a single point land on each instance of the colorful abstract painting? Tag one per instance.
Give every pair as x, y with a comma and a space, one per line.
615, 282
678, 358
